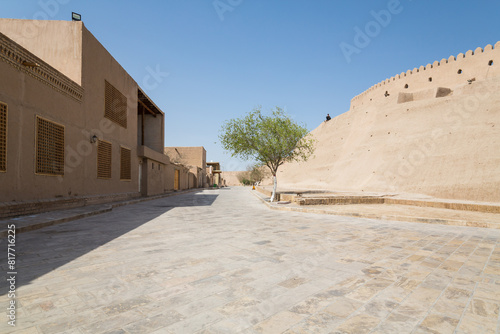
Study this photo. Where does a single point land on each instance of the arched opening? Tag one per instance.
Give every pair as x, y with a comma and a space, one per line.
430, 79
406, 86
459, 71
490, 63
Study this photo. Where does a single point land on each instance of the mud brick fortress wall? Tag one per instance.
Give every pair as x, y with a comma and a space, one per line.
433, 130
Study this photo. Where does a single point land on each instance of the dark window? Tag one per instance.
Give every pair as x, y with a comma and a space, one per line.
104, 149
3, 137
49, 147
115, 105
125, 164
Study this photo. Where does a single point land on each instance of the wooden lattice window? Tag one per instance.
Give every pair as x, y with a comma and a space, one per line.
103, 159
115, 105
3, 137
125, 164
49, 147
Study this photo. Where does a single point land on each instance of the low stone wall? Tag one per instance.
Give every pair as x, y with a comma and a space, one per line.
320, 199
343, 200
446, 205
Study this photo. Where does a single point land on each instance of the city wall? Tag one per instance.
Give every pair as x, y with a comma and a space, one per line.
473, 65
433, 131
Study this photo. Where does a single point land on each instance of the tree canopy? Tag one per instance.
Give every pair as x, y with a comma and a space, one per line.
269, 140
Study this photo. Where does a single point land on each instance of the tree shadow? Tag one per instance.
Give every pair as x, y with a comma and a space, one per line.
41, 251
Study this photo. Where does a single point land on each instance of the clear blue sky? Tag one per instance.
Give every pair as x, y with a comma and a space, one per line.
225, 57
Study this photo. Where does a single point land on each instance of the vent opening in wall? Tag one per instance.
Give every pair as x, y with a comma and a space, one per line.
3, 137
406, 86
490, 63
459, 71
104, 150
115, 105
125, 164
430, 79
49, 147
386, 94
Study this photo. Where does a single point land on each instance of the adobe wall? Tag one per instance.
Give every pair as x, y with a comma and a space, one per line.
184, 179
447, 73
436, 138
28, 93
193, 156
59, 43
44, 91
99, 66
170, 177
154, 131
154, 176
231, 178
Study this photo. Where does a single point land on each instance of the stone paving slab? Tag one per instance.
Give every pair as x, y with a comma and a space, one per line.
219, 261
36, 221
45, 219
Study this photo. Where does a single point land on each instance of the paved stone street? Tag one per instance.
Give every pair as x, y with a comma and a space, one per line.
219, 261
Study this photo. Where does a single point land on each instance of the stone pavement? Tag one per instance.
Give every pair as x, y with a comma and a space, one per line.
40, 220
219, 261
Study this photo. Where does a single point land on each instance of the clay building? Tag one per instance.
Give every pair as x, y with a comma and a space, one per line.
194, 158
75, 127
214, 174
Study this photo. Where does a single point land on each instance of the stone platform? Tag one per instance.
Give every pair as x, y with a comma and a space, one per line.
414, 208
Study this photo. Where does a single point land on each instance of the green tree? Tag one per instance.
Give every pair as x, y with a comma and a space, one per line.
257, 172
244, 178
268, 140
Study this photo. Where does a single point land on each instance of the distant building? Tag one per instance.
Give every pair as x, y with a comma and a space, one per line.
214, 174
75, 128
194, 158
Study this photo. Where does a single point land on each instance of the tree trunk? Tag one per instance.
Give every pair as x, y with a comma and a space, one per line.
275, 185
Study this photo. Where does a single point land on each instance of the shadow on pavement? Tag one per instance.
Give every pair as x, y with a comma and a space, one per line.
40, 251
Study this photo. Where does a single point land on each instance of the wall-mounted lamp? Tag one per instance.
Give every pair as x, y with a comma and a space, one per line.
93, 139
29, 64
76, 16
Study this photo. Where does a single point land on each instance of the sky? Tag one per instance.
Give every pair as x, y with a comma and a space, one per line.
207, 61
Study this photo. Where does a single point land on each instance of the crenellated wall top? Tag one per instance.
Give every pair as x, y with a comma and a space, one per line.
472, 64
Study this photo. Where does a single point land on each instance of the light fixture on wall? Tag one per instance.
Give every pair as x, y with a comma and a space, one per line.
76, 16
93, 139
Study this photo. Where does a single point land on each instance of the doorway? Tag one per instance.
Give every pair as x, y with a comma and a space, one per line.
176, 179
